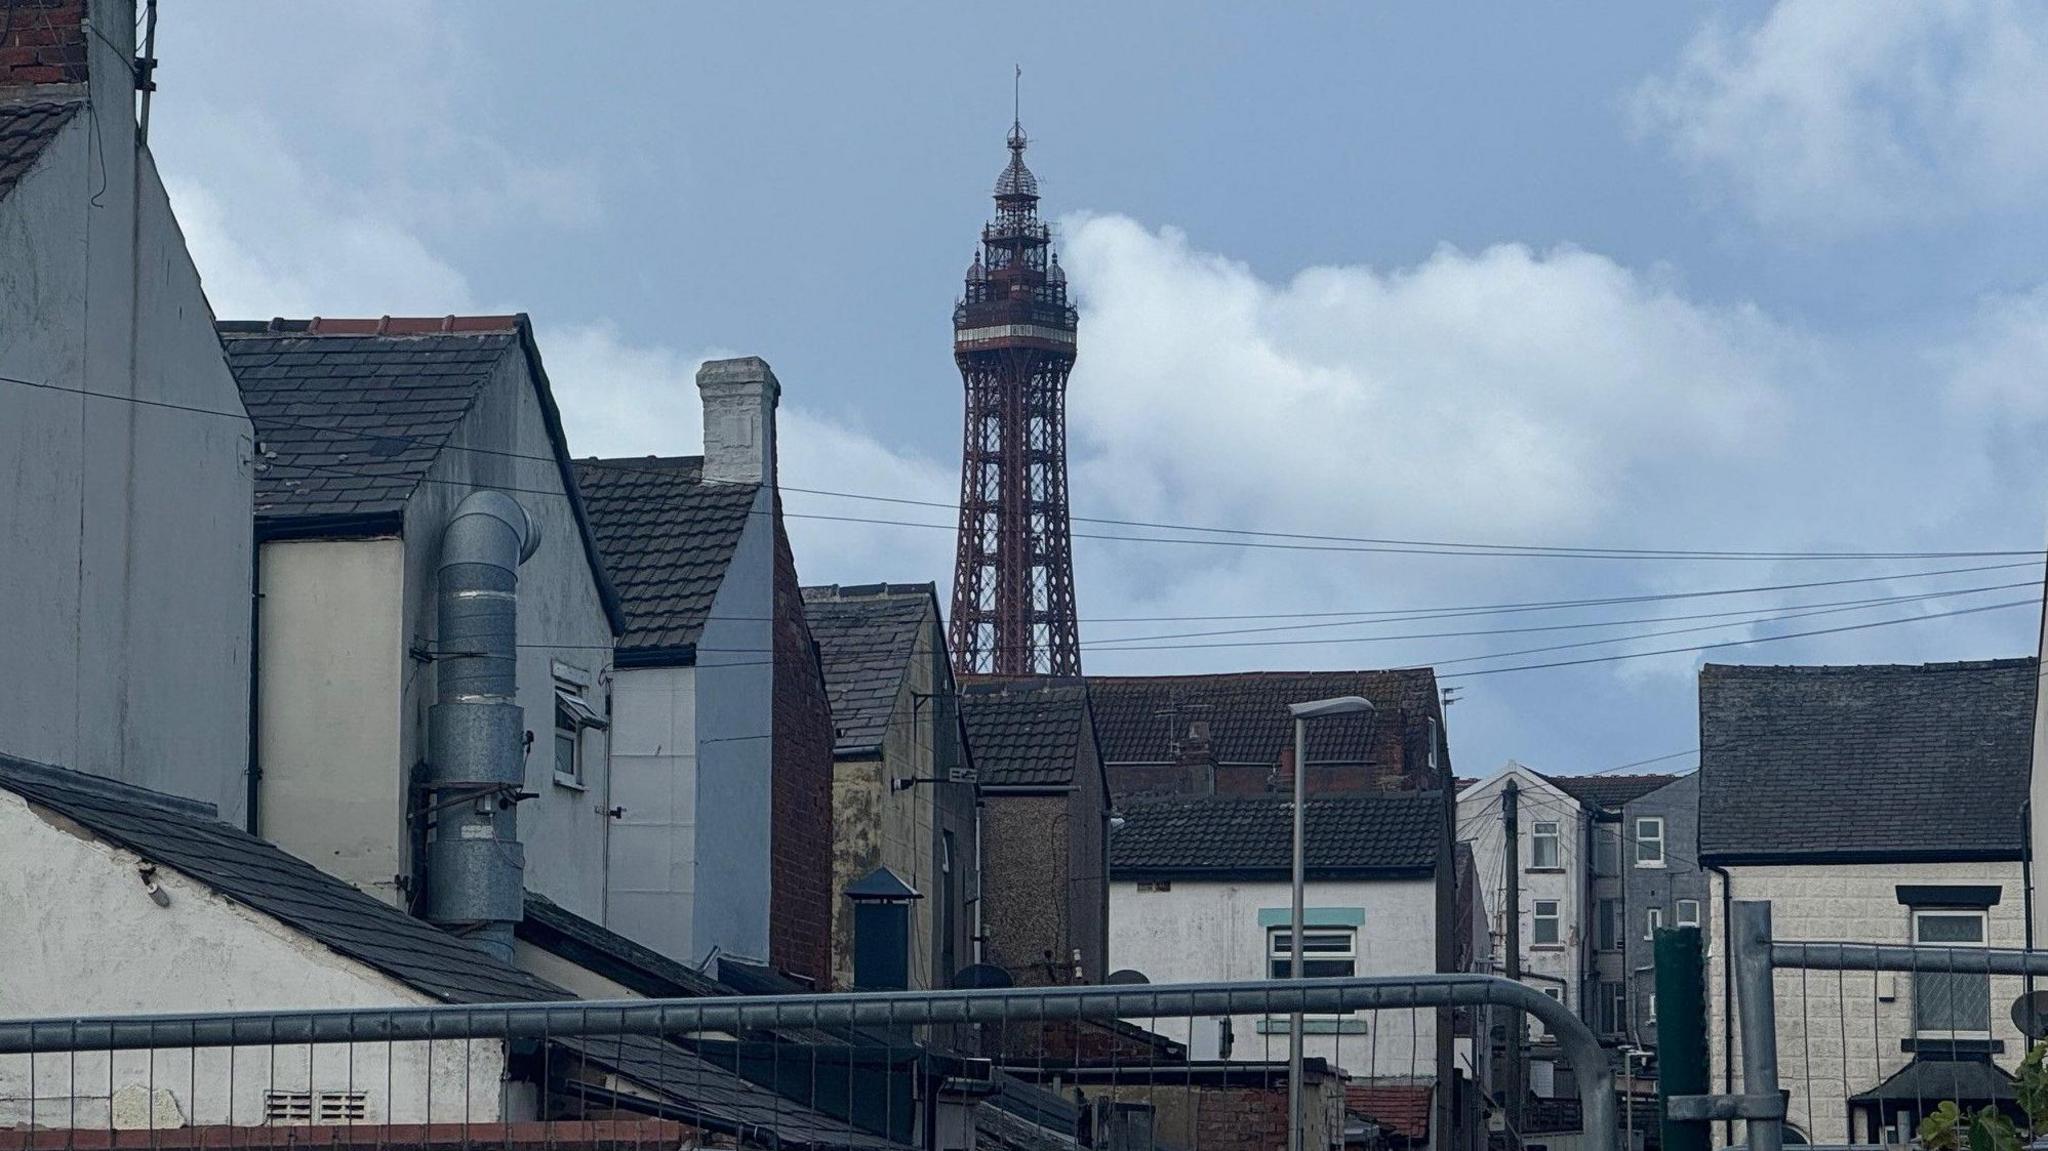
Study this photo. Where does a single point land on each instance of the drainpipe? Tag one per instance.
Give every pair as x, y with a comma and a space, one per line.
476, 761
1727, 996
2027, 894
254, 792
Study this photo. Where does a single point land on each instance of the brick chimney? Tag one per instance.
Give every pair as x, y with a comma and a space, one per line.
42, 45
739, 419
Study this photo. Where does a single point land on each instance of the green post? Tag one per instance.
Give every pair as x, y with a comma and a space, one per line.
1681, 1032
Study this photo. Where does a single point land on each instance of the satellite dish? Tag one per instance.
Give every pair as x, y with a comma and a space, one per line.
982, 975
2030, 1014
1127, 976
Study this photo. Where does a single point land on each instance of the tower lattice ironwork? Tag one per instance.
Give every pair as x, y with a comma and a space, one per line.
1013, 337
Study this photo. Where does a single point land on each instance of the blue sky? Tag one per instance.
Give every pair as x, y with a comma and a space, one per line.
1747, 277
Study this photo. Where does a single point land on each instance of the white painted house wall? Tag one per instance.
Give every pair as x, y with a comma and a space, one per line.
653, 872
124, 530
84, 937
1556, 968
332, 670
1202, 931
1853, 902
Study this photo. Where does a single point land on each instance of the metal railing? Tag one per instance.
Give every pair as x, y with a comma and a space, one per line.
1860, 1040
1116, 1068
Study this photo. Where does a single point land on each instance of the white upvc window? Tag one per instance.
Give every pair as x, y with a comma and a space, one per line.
573, 715
1951, 1004
1652, 920
1688, 913
1326, 952
1546, 926
1650, 841
1544, 843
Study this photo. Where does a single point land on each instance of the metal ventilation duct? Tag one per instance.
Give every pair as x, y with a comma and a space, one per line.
476, 761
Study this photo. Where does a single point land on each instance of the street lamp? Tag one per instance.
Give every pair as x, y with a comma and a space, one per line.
1303, 712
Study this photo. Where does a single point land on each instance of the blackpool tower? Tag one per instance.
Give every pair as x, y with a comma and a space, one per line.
1013, 338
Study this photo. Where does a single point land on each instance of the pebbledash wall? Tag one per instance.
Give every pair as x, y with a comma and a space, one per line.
1851, 1027
86, 938
124, 533
1197, 931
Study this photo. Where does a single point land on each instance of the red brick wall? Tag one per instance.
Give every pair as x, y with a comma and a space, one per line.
800, 838
44, 42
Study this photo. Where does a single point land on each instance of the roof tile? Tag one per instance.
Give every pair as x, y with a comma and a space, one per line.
1388, 832
1878, 760
867, 637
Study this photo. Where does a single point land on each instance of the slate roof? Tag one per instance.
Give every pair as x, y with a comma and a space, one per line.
1609, 792
867, 637
667, 539
1871, 763
356, 420
25, 130
1964, 1080
555, 928
1025, 733
353, 413
184, 836
1248, 718
1384, 834
249, 871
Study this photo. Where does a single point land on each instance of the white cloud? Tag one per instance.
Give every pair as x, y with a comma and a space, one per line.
1837, 115
1510, 396
619, 398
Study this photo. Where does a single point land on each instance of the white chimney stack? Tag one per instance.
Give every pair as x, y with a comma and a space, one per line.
739, 419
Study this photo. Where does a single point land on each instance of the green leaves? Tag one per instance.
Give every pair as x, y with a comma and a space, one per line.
1942, 1129
1991, 1130
2033, 1086
1947, 1128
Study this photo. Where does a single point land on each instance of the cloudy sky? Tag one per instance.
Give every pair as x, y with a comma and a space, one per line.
1685, 278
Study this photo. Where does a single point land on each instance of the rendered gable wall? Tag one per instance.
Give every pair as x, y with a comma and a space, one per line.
124, 536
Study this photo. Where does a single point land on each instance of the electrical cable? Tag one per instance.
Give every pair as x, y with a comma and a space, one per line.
1314, 542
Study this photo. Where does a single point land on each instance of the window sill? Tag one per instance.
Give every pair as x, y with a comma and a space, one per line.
1546, 947
1543, 871
1642, 866
1941, 1045
570, 782
1311, 1025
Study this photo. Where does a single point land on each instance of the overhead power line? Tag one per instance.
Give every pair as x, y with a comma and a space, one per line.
1237, 536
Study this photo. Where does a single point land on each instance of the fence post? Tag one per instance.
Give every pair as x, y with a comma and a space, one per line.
1682, 1067
1756, 1003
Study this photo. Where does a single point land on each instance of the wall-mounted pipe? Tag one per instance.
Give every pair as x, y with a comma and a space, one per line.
476, 756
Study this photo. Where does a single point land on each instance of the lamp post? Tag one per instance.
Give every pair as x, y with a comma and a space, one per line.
1303, 712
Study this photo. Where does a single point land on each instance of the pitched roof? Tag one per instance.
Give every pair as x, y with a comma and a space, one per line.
551, 926
1140, 717
245, 869
1389, 833
667, 538
867, 637
1964, 1080
182, 835
356, 419
1025, 733
1402, 1108
1609, 792
353, 413
1875, 763
25, 130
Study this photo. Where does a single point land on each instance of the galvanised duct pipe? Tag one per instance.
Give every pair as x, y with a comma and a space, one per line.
476, 755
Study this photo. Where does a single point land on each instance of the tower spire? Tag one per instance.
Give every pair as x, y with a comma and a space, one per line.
1013, 340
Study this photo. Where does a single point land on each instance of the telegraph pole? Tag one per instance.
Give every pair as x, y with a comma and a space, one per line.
1518, 1025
